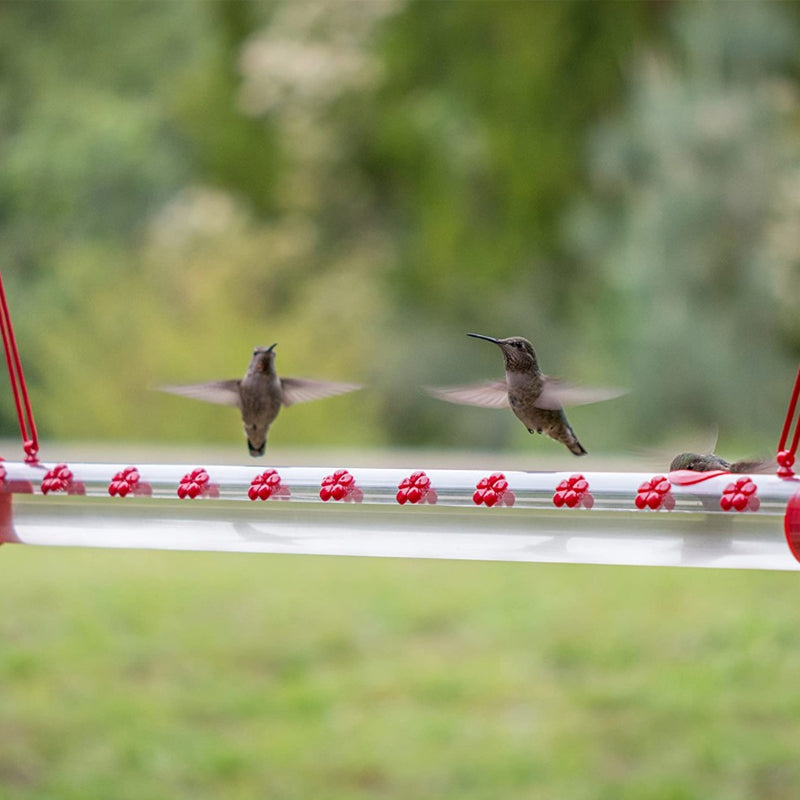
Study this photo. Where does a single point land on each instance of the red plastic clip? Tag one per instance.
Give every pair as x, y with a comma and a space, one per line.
493, 490
61, 479
785, 461
416, 488
197, 483
655, 493
128, 481
740, 496
572, 492
268, 484
340, 486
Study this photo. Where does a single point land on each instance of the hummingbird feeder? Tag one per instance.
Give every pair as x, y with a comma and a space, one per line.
683, 518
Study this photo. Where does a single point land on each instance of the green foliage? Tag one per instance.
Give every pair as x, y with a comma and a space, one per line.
366, 182
477, 138
688, 182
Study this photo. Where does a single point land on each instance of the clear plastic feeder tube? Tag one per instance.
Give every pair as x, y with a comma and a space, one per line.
595, 517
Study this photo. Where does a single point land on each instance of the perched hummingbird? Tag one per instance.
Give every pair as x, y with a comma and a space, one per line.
535, 398
707, 463
260, 394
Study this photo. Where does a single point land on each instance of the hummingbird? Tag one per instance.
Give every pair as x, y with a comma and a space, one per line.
535, 398
707, 463
260, 394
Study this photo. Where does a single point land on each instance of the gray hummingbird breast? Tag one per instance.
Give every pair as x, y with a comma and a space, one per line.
261, 396
522, 388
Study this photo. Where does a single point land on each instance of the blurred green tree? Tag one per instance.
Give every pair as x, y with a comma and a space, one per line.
458, 147
682, 227
365, 182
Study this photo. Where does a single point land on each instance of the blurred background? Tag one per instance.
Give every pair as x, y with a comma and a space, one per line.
365, 182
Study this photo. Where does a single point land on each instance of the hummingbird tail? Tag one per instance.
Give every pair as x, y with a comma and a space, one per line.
577, 448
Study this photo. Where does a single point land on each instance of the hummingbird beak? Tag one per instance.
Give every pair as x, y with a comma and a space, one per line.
481, 336
272, 347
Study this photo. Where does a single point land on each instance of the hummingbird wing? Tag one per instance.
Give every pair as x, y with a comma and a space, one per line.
301, 390
223, 392
490, 394
557, 393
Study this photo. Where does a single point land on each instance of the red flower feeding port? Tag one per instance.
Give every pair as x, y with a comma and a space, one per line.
268, 484
655, 493
341, 485
416, 488
127, 481
572, 492
61, 479
740, 496
197, 483
493, 490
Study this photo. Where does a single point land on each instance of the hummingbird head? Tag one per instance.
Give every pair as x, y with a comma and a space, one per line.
264, 358
518, 353
698, 463
684, 461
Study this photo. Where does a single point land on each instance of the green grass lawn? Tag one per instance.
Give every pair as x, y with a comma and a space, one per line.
182, 675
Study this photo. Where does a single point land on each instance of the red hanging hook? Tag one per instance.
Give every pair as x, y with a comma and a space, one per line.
27, 427
785, 458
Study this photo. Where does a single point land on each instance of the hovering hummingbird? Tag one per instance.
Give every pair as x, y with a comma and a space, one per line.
535, 398
260, 394
707, 463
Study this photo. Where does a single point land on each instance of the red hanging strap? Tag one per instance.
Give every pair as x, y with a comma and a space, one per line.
27, 427
786, 457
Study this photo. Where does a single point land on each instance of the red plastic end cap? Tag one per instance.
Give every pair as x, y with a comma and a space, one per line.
7, 532
791, 524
